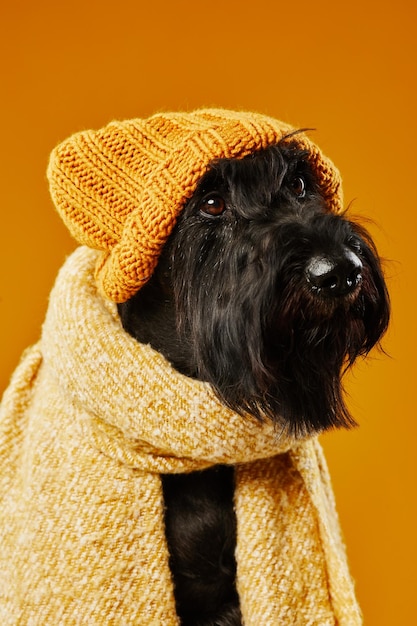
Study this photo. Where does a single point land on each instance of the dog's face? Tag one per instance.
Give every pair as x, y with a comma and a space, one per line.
264, 293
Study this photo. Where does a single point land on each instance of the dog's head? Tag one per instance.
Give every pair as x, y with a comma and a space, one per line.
263, 287
273, 295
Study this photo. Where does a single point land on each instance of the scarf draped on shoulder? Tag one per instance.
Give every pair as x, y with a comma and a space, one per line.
90, 421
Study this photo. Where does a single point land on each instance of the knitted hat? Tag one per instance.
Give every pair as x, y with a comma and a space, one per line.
120, 189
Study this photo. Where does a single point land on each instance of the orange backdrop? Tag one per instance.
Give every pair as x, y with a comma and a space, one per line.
348, 70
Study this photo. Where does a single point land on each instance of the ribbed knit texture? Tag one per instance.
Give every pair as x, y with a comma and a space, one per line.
120, 189
89, 422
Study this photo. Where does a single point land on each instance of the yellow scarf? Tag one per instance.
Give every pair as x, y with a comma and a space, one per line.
90, 420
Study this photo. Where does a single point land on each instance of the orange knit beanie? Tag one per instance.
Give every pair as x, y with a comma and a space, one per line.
120, 189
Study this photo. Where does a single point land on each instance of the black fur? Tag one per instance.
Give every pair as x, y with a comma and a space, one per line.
265, 294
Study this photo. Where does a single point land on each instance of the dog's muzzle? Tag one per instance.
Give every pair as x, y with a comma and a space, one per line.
334, 276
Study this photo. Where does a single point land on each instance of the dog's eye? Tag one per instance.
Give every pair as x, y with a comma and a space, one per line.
212, 205
299, 187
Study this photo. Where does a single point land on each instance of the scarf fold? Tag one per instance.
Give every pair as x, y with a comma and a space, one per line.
90, 421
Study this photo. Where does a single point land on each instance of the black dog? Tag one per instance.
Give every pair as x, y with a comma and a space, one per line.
265, 294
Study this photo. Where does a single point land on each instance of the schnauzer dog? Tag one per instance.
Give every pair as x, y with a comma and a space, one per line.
265, 294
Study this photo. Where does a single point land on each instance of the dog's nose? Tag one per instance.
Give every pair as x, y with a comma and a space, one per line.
334, 276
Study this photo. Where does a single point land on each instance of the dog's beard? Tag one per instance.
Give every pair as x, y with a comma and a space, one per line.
265, 341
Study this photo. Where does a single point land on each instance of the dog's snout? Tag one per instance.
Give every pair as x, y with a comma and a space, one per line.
334, 276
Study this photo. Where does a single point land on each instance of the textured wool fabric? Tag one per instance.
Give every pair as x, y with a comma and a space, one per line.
90, 421
121, 188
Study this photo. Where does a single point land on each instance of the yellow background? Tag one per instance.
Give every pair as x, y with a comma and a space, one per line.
346, 69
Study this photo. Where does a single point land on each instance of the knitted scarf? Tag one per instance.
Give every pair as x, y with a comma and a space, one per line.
90, 421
